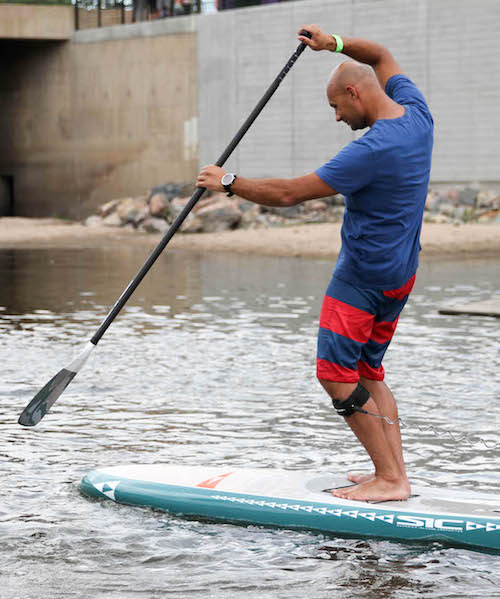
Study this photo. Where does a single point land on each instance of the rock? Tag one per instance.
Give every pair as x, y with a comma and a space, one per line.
123, 205
208, 201
220, 215
315, 206
461, 212
432, 201
107, 208
172, 190
336, 200
153, 224
488, 199
250, 215
467, 197
192, 224
452, 196
175, 208
336, 213
246, 206
263, 220
315, 217
448, 209
112, 220
177, 205
158, 204
438, 218
489, 216
93, 221
288, 212
132, 210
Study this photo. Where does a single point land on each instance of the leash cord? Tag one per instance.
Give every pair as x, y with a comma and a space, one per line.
430, 427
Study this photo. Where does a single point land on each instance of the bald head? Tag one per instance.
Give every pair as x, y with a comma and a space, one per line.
351, 73
354, 92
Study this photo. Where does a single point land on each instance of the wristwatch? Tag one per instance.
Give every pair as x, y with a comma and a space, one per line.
227, 180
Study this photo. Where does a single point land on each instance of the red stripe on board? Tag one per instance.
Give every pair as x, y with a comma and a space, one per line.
383, 331
374, 374
333, 372
211, 483
346, 320
402, 291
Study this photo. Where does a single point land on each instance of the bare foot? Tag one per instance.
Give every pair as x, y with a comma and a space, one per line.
377, 489
359, 477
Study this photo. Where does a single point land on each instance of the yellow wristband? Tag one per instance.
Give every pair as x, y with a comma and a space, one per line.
340, 42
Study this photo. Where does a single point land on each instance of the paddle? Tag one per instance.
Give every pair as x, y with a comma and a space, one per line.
45, 398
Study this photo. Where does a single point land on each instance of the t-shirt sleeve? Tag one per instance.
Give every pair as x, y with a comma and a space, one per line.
351, 169
403, 91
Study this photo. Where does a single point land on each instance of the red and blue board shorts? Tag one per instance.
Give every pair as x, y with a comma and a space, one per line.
355, 329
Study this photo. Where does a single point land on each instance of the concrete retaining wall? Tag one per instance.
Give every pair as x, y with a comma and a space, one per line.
114, 111
450, 49
110, 114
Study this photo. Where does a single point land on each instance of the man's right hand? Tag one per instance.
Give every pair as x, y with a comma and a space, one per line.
319, 40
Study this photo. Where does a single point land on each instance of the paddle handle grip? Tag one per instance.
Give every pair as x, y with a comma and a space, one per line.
132, 286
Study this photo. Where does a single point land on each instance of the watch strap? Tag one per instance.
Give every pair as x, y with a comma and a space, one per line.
228, 187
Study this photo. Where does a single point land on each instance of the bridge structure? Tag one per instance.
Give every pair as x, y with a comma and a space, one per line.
30, 22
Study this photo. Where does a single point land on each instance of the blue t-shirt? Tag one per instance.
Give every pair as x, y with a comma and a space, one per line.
384, 177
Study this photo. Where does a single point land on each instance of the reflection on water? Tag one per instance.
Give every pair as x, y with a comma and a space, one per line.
212, 361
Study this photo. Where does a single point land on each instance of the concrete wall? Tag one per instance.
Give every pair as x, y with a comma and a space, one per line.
450, 49
36, 22
114, 111
110, 114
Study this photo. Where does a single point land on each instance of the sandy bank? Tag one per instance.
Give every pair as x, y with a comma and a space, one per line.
308, 241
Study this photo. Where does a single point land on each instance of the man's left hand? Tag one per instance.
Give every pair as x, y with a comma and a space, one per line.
210, 177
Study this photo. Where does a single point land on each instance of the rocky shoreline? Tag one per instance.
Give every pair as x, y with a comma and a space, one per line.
156, 211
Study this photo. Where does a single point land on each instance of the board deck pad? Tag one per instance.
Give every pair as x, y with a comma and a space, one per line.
298, 500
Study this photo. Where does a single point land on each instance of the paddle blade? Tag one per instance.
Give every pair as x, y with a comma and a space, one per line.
46, 397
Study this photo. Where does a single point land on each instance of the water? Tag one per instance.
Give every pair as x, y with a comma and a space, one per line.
212, 361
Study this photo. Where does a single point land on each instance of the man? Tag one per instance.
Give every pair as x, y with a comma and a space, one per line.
384, 177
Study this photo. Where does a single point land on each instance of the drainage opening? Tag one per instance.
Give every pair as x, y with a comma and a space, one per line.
6, 195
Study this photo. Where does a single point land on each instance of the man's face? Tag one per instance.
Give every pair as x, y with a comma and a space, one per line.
347, 108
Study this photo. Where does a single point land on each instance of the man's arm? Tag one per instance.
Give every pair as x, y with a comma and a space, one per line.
365, 51
268, 192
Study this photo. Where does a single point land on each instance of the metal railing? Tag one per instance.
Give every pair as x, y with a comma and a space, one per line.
103, 13
95, 13
90, 14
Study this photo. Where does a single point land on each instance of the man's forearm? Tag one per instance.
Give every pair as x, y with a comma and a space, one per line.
362, 50
266, 192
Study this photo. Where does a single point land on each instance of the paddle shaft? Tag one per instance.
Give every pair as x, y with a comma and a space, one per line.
132, 286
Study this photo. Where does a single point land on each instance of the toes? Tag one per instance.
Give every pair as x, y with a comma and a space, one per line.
343, 493
359, 477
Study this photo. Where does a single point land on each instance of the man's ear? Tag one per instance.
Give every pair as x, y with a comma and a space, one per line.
352, 91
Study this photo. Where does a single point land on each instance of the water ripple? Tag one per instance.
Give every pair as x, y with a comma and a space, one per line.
213, 362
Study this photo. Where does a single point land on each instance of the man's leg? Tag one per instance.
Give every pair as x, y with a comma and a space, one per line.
386, 406
352, 343
388, 483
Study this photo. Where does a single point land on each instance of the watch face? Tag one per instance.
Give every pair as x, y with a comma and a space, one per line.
227, 179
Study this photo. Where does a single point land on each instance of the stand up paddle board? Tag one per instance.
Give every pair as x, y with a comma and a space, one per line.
301, 500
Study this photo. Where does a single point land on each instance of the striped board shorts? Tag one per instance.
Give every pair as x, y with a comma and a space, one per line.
356, 327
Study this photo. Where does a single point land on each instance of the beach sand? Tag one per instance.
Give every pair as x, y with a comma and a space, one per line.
306, 241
